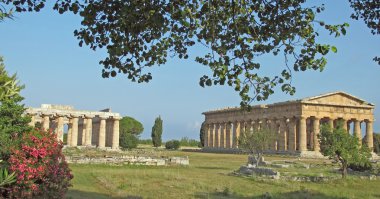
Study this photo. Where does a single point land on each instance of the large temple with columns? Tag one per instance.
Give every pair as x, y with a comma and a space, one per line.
297, 123
84, 128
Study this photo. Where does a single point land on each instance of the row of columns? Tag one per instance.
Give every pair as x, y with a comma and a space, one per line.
293, 134
73, 129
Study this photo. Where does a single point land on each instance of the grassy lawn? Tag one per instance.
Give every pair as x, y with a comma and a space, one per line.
208, 176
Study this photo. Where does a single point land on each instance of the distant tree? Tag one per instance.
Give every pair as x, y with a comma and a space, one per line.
128, 140
337, 144
256, 142
130, 129
202, 134
157, 132
131, 126
172, 144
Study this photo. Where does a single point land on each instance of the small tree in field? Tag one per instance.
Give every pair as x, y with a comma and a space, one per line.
157, 132
256, 142
339, 145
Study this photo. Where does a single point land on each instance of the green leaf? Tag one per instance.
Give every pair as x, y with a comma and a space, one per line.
334, 49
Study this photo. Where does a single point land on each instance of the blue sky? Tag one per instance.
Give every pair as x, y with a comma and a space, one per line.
41, 48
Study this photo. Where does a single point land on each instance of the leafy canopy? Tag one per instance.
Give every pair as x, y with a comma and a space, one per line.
256, 142
369, 11
144, 33
339, 145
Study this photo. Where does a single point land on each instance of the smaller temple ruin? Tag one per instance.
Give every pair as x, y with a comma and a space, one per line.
84, 128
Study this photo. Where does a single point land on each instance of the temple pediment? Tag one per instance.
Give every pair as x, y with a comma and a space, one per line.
340, 98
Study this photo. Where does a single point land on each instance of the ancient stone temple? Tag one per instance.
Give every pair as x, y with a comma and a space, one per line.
84, 128
297, 123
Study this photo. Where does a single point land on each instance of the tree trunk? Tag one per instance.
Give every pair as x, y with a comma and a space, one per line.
258, 159
344, 171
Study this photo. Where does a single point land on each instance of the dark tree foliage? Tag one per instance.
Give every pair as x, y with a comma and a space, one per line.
202, 135
140, 34
128, 140
172, 144
12, 121
131, 126
157, 132
369, 11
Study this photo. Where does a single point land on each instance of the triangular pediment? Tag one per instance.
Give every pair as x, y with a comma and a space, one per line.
338, 98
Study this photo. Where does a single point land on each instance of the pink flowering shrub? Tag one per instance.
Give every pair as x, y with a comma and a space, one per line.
40, 167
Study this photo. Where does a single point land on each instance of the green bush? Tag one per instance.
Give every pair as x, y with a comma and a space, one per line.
128, 141
185, 141
172, 144
361, 166
145, 141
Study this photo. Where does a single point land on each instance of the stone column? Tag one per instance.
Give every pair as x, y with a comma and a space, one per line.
115, 133
369, 134
316, 130
32, 122
102, 133
273, 127
282, 138
217, 135
211, 141
60, 128
69, 132
228, 135
302, 140
74, 133
222, 135
45, 122
358, 131
292, 135
236, 134
88, 131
